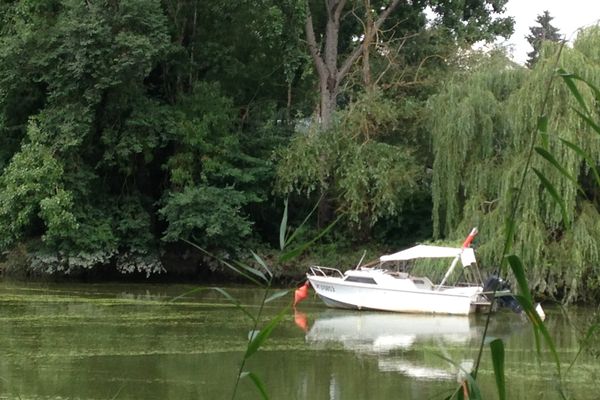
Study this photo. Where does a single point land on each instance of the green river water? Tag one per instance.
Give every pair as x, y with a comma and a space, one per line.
117, 341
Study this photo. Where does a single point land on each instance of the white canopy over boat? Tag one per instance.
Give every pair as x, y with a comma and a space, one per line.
467, 255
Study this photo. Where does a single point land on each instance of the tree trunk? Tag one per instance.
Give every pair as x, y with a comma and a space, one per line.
326, 63
328, 102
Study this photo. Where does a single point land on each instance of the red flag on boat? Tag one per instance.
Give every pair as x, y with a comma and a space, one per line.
470, 238
301, 293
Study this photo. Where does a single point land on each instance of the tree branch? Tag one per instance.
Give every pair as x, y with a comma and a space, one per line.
338, 9
312, 44
392, 54
386, 13
358, 51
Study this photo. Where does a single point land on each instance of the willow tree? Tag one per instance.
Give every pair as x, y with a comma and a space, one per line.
481, 142
367, 178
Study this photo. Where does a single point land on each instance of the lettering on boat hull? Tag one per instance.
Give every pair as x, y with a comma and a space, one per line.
325, 288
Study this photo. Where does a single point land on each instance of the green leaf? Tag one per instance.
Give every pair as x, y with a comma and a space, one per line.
554, 194
262, 263
298, 229
283, 226
251, 270
589, 121
583, 343
539, 328
572, 77
542, 127
497, 349
519, 272
588, 159
257, 383
235, 301
585, 115
457, 394
187, 293
474, 391
298, 250
524, 295
525, 300
228, 265
277, 295
264, 334
552, 160
509, 228
569, 81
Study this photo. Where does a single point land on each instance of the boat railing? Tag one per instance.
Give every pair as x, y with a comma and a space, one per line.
325, 271
458, 285
461, 284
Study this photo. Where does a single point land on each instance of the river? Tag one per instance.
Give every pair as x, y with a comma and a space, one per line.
134, 341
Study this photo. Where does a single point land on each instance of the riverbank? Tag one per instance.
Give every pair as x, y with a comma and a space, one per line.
185, 264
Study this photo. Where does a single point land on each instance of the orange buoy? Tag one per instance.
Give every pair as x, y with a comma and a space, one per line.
301, 293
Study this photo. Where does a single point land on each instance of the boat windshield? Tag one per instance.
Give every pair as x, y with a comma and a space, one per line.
433, 268
404, 266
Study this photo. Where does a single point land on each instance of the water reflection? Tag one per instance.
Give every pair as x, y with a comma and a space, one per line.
391, 337
382, 332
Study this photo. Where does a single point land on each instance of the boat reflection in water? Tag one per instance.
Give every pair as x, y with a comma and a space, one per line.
414, 345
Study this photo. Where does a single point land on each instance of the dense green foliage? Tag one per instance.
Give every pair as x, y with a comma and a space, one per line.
75, 71
369, 178
481, 145
116, 131
126, 126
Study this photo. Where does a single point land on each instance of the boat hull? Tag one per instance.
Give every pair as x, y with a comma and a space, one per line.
335, 292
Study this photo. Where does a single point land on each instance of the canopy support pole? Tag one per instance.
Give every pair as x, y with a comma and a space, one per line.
465, 245
454, 262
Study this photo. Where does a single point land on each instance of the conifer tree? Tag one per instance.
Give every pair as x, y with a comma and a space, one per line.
545, 31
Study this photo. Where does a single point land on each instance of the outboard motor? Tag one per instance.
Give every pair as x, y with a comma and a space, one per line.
494, 282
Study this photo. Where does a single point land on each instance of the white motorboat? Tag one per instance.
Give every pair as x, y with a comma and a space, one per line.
381, 288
